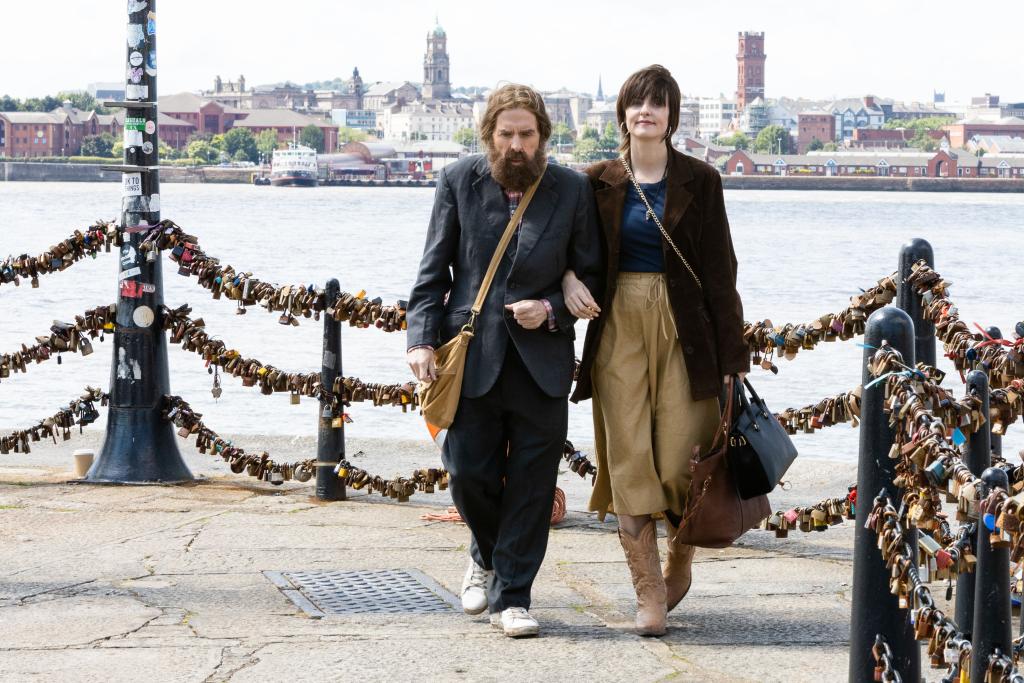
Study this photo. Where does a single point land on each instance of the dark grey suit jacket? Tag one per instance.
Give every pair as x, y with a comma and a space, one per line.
559, 231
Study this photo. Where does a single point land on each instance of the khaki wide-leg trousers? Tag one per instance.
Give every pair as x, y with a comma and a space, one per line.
645, 422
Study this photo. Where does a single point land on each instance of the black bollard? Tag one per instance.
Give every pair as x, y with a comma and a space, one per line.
908, 300
875, 610
330, 441
139, 446
977, 457
992, 628
997, 439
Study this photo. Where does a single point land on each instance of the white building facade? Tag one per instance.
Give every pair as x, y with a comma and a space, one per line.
424, 121
716, 114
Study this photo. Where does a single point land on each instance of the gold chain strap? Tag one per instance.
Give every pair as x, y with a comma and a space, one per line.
650, 210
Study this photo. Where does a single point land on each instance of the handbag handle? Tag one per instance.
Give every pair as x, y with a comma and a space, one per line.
499, 252
726, 424
757, 399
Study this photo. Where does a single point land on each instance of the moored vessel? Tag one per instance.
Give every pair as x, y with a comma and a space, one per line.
295, 166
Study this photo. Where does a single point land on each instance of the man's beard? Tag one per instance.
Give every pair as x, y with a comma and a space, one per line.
516, 177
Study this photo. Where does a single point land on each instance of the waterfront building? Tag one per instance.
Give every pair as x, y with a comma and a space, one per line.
174, 132
288, 125
996, 144
716, 115
230, 94
599, 116
785, 112
887, 138
387, 94
424, 120
80, 124
888, 163
750, 59
814, 125
753, 119
439, 153
569, 108
704, 149
962, 131
207, 116
436, 67
360, 119
689, 120
853, 113
236, 95
912, 111
36, 134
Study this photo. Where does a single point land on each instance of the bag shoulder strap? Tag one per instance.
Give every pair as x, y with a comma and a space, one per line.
726, 423
654, 214
500, 251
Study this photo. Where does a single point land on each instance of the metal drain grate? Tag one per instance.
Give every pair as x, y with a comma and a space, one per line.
386, 591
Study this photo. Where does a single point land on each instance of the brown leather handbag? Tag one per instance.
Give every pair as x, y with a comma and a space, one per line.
715, 514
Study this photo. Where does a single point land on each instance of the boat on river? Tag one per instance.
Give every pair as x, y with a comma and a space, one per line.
295, 166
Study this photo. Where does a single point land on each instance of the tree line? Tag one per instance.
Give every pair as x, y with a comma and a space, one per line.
79, 100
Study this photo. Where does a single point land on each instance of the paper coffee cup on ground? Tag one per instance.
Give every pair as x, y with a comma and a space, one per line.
83, 461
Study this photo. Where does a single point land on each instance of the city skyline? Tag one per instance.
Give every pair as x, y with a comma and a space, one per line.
698, 45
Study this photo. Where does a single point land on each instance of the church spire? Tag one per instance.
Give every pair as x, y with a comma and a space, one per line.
600, 91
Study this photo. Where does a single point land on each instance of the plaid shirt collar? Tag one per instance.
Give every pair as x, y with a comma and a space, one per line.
513, 197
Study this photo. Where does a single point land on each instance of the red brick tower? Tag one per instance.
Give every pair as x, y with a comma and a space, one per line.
750, 71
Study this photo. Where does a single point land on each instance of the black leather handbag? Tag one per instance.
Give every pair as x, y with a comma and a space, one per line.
760, 450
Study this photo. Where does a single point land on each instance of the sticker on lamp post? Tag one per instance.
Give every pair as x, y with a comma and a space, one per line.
131, 184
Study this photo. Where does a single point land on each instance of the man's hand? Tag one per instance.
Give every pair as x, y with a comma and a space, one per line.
529, 313
740, 376
421, 362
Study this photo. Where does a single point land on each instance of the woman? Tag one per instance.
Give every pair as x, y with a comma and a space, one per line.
669, 333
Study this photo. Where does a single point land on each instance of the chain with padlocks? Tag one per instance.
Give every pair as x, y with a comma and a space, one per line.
61, 256
193, 336
80, 411
820, 516
767, 341
291, 301
1002, 359
885, 669
261, 466
948, 646
63, 338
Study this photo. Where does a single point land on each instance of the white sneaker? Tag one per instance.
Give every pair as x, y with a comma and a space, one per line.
516, 622
474, 588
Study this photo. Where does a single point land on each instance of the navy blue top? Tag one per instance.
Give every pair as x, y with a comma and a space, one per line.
640, 242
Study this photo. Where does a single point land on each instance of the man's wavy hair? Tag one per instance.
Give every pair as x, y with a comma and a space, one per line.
514, 96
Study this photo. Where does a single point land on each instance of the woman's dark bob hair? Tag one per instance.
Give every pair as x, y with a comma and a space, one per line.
655, 82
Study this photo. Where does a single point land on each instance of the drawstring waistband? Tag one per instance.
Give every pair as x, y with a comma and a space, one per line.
657, 294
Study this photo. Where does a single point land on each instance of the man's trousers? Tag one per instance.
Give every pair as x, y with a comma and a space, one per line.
502, 453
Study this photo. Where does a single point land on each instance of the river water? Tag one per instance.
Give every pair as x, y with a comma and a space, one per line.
801, 255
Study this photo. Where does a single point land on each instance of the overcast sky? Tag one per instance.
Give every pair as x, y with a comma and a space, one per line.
815, 49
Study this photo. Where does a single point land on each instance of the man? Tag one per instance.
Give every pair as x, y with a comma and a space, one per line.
503, 448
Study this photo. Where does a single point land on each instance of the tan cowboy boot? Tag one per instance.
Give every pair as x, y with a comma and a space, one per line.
645, 568
676, 572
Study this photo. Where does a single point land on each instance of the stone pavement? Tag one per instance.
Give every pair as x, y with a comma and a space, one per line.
111, 583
